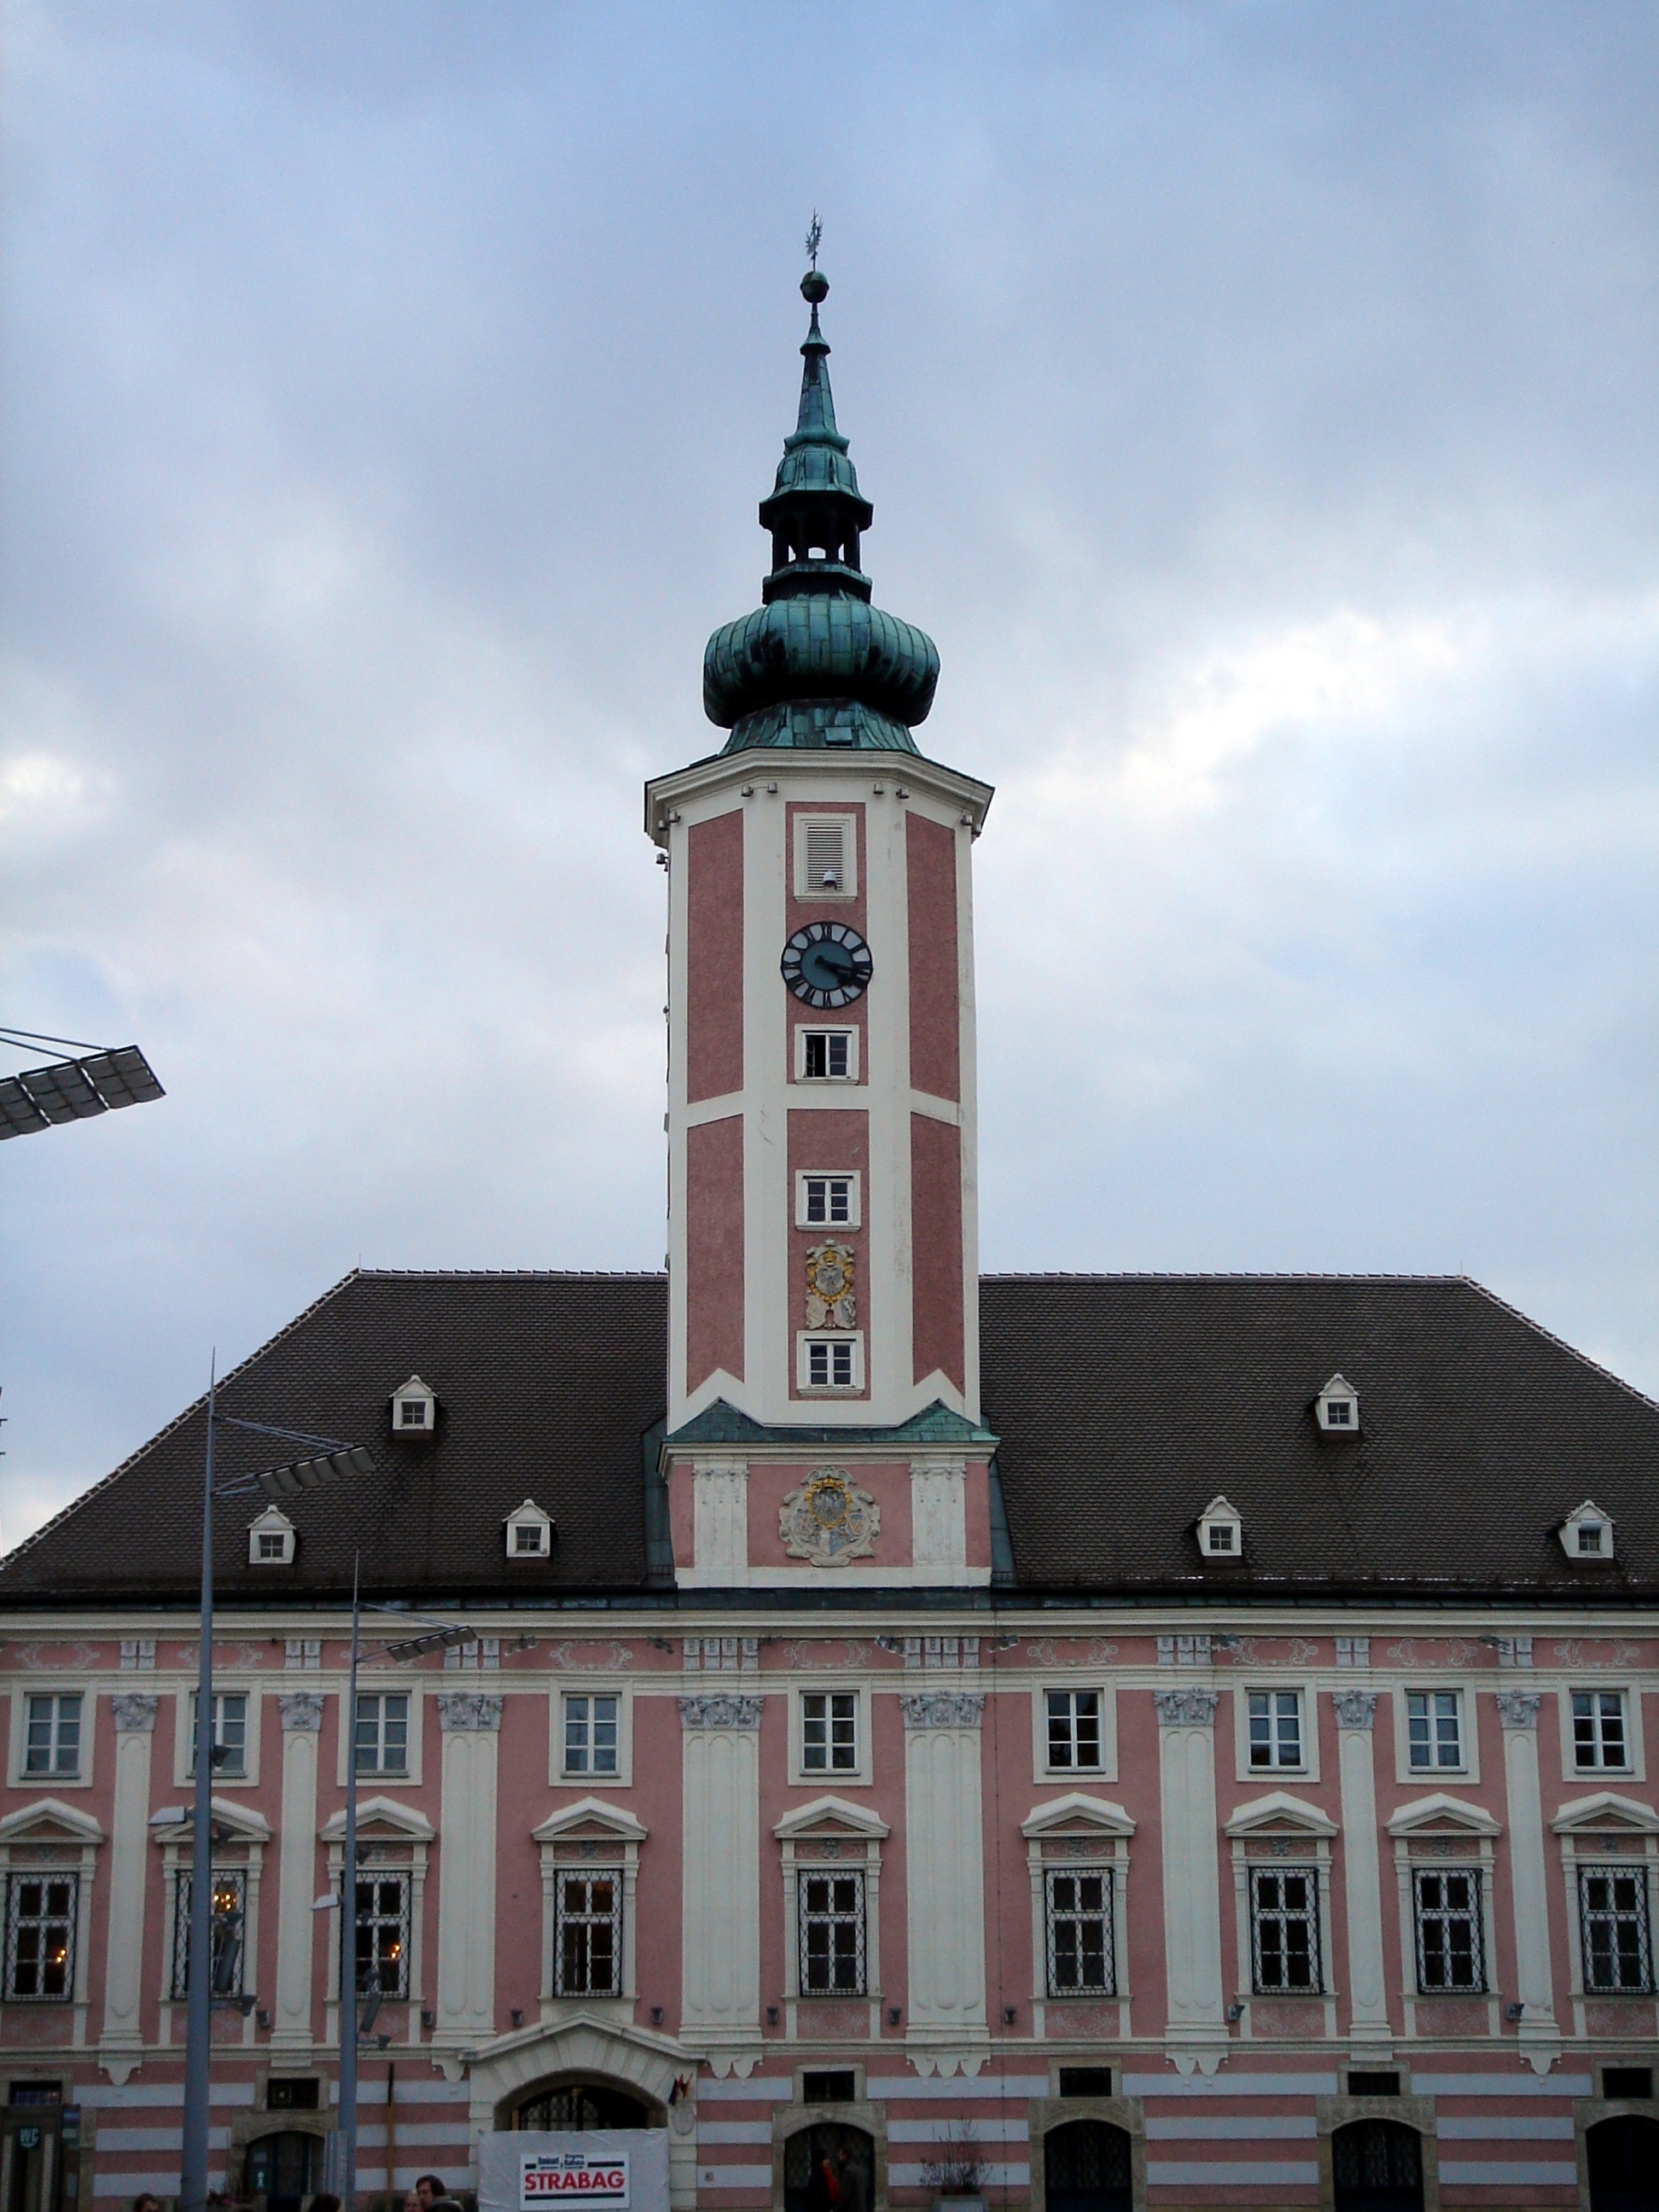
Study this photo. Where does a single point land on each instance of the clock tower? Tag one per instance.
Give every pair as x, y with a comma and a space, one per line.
823, 1260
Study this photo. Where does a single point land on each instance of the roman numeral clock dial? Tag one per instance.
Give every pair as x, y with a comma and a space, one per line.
827, 964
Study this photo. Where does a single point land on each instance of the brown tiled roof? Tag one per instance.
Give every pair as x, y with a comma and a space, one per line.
1124, 1404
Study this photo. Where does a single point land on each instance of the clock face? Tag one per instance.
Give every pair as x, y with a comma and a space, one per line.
827, 964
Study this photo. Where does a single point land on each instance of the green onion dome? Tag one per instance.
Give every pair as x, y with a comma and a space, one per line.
817, 664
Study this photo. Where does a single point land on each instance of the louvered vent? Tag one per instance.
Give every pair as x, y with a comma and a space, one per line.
826, 856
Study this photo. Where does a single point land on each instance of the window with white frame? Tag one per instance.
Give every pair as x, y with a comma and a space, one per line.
1078, 1905
1284, 1927
1451, 1951
382, 1921
382, 1734
1275, 1721
228, 1922
52, 1741
272, 1545
831, 1363
229, 1735
829, 1732
40, 1918
1601, 1743
1613, 1932
831, 1933
1434, 1729
591, 1733
587, 1946
1072, 1719
827, 1055
826, 1200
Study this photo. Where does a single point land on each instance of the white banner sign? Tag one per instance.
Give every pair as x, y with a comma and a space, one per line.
608, 2169
572, 2177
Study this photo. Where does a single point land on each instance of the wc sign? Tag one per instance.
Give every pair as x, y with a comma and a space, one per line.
573, 2178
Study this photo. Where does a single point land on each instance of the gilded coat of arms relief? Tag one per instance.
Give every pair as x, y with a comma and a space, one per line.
830, 1269
829, 1519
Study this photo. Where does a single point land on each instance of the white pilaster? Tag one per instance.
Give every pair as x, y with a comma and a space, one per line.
121, 2045
1362, 1879
470, 1722
721, 1870
302, 1718
938, 1518
1517, 1710
720, 1519
944, 1865
1192, 1893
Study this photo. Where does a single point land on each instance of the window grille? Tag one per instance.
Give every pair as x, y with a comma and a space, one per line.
1450, 1943
1598, 1730
1075, 1730
1613, 1911
383, 1733
40, 1917
1275, 1728
587, 1940
383, 1934
1080, 1948
230, 1919
52, 1736
229, 1732
1434, 1728
590, 1735
1284, 1927
832, 1935
829, 1732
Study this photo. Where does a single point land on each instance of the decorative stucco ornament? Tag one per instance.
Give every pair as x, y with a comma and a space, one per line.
829, 1520
830, 1269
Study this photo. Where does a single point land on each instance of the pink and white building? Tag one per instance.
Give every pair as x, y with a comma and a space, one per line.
1090, 1742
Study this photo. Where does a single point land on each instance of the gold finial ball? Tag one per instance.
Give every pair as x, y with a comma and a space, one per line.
814, 286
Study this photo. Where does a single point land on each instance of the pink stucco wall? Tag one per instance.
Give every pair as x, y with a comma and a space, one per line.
935, 994
714, 1249
938, 1338
713, 948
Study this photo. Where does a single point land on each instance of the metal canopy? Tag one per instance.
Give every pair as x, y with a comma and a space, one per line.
75, 1090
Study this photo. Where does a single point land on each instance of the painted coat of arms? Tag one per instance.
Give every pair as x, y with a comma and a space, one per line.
829, 1519
829, 1300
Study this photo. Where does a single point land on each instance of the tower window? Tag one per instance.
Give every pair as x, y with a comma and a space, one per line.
827, 1055
830, 1362
827, 1200
826, 863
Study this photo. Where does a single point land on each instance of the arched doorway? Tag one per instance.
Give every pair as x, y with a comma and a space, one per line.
279, 2169
1624, 2164
1086, 2168
805, 2154
578, 2105
1377, 2166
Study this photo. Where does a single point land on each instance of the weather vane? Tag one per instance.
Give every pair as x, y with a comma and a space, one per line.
814, 238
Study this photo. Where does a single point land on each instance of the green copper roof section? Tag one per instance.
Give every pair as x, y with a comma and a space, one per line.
724, 1424
817, 664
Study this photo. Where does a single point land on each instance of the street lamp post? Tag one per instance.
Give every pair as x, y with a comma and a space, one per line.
336, 1461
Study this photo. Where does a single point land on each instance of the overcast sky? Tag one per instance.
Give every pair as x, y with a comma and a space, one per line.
1258, 404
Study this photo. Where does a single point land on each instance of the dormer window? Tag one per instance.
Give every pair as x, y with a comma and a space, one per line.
1337, 1408
826, 865
270, 1540
529, 1533
1220, 1531
1587, 1533
414, 1409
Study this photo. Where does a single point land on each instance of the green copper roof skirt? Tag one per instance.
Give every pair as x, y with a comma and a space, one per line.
724, 1424
817, 664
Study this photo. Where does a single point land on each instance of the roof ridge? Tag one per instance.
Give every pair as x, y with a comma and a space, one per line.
1212, 1275
511, 1275
178, 1421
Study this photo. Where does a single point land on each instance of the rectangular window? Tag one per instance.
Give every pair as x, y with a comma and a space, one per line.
229, 1908
1073, 1717
828, 2087
827, 1056
40, 1915
590, 1735
1599, 1741
52, 1738
831, 1935
273, 1544
383, 1934
1612, 1912
229, 1733
828, 1201
1434, 1728
1284, 1927
1079, 1915
383, 1732
587, 1940
1085, 2080
829, 1732
1451, 1948
1275, 1729
830, 1364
